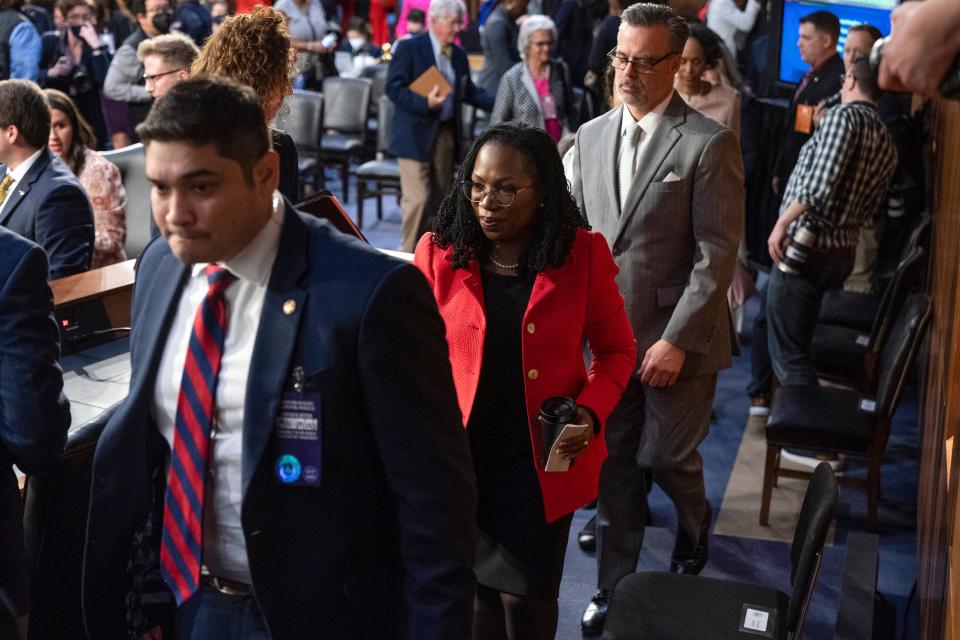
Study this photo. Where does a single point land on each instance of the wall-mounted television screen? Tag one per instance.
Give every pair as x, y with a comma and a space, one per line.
850, 12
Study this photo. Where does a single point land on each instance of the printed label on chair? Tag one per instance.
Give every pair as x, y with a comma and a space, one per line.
757, 620
868, 405
862, 340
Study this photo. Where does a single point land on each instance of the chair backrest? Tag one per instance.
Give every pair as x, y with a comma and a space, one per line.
900, 351
894, 296
384, 118
377, 75
54, 527
815, 516
346, 104
304, 119
132, 164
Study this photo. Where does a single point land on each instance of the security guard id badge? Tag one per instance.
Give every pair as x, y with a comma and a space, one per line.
297, 439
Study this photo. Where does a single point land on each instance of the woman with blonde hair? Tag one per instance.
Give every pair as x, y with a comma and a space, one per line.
254, 49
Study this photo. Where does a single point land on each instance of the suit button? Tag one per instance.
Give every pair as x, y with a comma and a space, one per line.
531, 328
533, 374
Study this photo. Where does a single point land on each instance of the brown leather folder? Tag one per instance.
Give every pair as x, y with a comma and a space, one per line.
429, 79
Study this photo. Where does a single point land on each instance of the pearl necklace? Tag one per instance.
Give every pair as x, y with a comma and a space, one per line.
505, 267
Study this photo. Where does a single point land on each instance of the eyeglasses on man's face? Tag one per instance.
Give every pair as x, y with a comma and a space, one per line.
502, 196
640, 65
147, 77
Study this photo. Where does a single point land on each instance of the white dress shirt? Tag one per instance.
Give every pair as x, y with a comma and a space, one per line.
648, 123
18, 174
224, 549
732, 24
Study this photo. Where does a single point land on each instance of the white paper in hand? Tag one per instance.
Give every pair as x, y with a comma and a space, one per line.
556, 462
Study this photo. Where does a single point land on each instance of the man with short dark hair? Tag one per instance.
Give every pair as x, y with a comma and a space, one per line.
166, 61
817, 40
307, 489
842, 177
40, 198
664, 185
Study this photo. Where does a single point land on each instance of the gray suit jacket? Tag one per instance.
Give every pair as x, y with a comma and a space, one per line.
675, 242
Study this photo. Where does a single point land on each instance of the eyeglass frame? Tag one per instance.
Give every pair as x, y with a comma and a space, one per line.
468, 184
641, 66
153, 78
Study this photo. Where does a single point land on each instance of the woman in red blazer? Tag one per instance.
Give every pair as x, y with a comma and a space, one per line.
521, 283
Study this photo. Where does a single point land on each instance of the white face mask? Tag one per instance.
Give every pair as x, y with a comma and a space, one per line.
357, 43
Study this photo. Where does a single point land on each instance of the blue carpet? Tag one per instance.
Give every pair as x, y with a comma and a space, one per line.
760, 561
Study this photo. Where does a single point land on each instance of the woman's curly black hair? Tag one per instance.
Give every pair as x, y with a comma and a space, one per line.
557, 223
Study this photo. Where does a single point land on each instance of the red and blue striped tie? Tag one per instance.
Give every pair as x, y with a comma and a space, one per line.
182, 544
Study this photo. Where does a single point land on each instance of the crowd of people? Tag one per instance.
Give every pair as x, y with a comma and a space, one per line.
315, 431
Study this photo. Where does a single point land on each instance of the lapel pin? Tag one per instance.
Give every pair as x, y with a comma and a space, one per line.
289, 306
23, 193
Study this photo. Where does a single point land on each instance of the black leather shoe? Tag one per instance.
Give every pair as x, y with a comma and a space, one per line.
587, 538
690, 558
596, 613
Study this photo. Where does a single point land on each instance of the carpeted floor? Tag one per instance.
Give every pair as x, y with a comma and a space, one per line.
740, 549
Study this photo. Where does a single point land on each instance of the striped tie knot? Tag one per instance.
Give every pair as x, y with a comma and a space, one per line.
218, 277
632, 135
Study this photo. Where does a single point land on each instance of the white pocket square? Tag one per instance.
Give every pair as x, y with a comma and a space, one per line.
672, 177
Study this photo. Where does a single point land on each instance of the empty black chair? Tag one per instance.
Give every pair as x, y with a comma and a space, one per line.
383, 171
377, 75
55, 523
859, 310
304, 123
670, 606
828, 419
133, 171
848, 355
345, 110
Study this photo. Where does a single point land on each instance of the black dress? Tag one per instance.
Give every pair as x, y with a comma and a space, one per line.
289, 165
517, 551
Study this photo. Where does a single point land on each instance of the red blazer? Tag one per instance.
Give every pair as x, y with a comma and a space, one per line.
579, 300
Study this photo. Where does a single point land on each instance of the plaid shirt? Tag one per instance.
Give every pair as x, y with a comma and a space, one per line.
844, 173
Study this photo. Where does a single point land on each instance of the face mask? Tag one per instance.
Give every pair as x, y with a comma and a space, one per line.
356, 43
75, 31
162, 21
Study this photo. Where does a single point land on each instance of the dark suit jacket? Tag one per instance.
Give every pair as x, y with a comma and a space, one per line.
51, 208
499, 40
824, 83
383, 547
34, 414
414, 127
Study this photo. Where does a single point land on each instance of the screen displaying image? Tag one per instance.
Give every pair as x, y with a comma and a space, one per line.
850, 13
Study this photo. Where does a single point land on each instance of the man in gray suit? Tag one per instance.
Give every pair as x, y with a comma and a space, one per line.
664, 184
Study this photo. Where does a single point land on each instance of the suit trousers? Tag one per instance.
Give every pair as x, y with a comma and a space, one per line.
658, 429
423, 186
211, 614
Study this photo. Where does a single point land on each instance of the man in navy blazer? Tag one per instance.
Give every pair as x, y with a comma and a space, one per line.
425, 132
340, 498
41, 198
34, 414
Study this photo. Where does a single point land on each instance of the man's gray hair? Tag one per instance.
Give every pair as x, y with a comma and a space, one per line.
645, 14
440, 9
529, 26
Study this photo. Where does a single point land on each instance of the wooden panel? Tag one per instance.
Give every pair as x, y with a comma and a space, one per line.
937, 527
92, 284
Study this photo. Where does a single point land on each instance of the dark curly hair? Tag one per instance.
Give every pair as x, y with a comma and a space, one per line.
557, 225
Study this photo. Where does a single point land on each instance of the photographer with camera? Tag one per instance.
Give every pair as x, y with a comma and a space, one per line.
81, 64
839, 182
